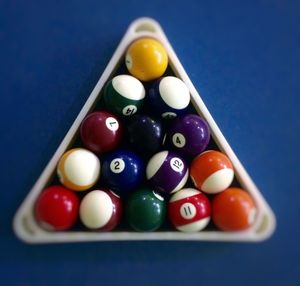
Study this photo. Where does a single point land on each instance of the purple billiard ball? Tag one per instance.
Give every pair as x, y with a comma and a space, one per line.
167, 172
189, 135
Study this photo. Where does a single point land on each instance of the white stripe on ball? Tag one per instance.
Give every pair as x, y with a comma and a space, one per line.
129, 87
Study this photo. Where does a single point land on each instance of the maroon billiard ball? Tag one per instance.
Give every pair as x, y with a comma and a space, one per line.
101, 210
189, 210
56, 208
101, 132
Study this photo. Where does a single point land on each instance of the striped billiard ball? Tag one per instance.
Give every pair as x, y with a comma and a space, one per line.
167, 172
212, 172
100, 210
124, 95
189, 210
78, 169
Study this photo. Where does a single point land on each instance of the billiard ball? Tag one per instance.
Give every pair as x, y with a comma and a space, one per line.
124, 95
233, 210
78, 169
189, 135
100, 132
167, 172
56, 208
146, 59
100, 210
189, 210
168, 97
122, 171
145, 210
212, 172
144, 134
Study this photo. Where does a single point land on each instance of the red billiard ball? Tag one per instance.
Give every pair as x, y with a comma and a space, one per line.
233, 210
56, 208
189, 210
101, 132
212, 172
101, 210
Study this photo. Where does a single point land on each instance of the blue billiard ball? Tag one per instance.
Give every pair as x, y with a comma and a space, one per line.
168, 97
144, 134
122, 171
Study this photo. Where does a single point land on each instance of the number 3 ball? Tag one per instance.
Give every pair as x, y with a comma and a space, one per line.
189, 135
124, 95
167, 172
189, 210
100, 210
212, 172
57, 208
122, 171
78, 169
233, 210
100, 132
168, 97
146, 59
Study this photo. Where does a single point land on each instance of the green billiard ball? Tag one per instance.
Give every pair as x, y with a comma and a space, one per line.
124, 95
145, 210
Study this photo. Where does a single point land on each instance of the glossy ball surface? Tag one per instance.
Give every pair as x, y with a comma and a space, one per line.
189, 135
122, 171
78, 169
100, 210
146, 59
168, 97
56, 208
212, 172
189, 210
233, 210
124, 95
144, 134
167, 172
145, 210
100, 132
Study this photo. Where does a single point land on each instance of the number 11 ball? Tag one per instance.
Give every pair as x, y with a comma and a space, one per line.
167, 172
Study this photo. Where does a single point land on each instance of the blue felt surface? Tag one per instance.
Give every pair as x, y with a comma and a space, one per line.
244, 58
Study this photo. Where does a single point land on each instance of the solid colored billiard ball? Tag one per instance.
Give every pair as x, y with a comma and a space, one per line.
78, 169
189, 135
56, 208
122, 171
233, 210
168, 97
146, 59
124, 95
212, 172
145, 210
189, 210
144, 134
167, 172
100, 210
100, 132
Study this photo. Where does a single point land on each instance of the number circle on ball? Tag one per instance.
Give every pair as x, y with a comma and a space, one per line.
178, 140
117, 165
129, 110
188, 210
112, 124
176, 164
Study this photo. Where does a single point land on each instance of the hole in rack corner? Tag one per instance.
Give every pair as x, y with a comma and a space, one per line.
263, 225
27, 225
145, 27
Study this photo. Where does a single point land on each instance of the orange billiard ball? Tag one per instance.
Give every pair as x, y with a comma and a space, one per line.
233, 210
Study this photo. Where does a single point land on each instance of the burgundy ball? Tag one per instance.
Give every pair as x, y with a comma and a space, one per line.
101, 132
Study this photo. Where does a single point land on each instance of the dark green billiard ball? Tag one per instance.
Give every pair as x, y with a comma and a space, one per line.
145, 210
124, 95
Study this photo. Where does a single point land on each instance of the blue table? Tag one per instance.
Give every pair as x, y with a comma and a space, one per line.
244, 58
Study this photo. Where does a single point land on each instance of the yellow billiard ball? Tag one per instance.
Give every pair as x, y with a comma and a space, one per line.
78, 169
146, 59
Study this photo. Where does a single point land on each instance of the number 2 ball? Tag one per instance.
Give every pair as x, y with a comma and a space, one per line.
100, 132
101, 210
189, 135
212, 172
189, 210
124, 95
122, 171
167, 172
56, 208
